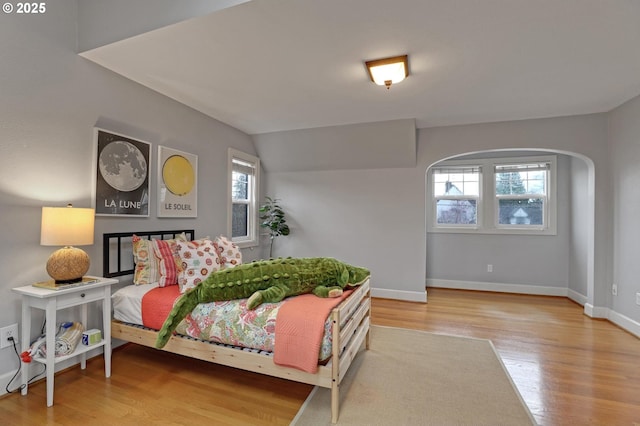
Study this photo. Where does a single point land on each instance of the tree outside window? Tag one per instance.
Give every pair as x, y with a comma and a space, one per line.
521, 194
523, 191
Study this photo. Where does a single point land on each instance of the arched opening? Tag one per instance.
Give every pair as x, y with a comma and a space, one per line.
562, 264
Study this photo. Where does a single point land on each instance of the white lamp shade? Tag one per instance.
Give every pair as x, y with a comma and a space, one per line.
391, 72
67, 226
385, 72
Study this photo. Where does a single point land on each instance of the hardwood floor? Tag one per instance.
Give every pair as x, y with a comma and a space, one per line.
570, 369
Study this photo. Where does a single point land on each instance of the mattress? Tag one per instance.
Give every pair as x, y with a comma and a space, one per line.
226, 322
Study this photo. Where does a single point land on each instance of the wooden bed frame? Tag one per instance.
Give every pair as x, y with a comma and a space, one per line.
353, 313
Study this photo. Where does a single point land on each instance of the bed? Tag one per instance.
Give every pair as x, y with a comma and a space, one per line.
349, 331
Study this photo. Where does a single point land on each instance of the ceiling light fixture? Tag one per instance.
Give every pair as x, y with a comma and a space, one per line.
385, 72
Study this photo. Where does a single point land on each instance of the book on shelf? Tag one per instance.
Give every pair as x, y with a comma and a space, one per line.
51, 284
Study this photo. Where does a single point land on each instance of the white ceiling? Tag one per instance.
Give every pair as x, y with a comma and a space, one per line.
272, 65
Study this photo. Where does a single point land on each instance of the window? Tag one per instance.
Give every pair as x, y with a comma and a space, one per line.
521, 195
243, 193
456, 193
494, 195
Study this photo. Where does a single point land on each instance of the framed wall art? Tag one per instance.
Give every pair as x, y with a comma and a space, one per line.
177, 183
122, 170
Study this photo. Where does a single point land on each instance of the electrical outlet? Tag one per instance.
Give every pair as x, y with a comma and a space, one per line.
637, 298
614, 289
489, 267
5, 333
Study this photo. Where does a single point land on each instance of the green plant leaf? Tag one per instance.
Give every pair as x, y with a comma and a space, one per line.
272, 216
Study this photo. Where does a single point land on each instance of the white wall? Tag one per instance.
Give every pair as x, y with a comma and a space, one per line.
624, 140
51, 100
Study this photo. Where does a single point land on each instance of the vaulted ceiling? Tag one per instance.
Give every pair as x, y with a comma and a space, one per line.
273, 65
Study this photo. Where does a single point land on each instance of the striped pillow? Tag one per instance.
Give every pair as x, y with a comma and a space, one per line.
169, 261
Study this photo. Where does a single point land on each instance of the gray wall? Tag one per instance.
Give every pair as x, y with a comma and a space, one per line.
624, 139
579, 230
372, 218
102, 22
584, 136
388, 144
377, 217
540, 260
51, 100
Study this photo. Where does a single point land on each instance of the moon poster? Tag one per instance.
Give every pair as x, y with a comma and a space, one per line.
177, 183
122, 175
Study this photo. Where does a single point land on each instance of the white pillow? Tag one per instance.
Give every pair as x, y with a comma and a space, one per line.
229, 253
197, 260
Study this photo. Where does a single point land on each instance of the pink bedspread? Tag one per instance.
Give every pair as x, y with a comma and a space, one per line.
156, 305
299, 330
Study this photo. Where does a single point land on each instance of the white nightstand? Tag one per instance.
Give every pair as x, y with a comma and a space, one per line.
53, 300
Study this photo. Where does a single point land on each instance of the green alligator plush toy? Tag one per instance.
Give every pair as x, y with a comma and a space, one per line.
266, 281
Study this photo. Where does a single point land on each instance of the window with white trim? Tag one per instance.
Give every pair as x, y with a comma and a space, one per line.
456, 192
494, 195
521, 195
244, 173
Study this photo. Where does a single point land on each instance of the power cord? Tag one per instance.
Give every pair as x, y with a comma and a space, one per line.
15, 348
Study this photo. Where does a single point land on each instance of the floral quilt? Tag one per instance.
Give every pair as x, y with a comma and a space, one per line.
230, 322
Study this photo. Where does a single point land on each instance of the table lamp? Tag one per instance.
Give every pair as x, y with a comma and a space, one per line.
68, 227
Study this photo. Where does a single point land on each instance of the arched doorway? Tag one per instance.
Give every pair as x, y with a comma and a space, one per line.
578, 236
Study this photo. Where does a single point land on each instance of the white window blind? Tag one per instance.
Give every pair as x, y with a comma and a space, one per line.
529, 167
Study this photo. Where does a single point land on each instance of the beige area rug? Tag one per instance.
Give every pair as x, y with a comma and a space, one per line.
410, 377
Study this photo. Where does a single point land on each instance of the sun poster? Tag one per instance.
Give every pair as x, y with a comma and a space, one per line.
121, 175
177, 183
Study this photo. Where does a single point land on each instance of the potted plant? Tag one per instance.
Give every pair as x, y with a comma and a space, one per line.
272, 217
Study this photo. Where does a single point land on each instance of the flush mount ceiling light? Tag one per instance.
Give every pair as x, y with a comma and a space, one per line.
388, 71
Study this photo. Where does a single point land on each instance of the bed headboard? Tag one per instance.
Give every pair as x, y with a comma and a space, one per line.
117, 249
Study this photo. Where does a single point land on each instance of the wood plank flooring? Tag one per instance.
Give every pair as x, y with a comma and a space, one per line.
570, 369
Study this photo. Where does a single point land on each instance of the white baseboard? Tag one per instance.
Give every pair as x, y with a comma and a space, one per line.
499, 287
577, 297
624, 322
616, 318
596, 311
411, 296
